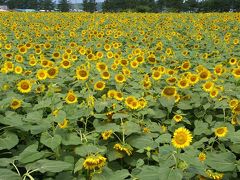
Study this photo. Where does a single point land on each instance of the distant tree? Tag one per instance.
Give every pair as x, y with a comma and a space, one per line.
3, 2
23, 4
190, 5
64, 6
89, 5
46, 5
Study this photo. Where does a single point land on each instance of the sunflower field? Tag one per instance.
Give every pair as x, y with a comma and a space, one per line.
119, 96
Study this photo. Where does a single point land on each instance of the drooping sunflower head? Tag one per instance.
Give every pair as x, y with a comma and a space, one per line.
182, 138
221, 131
236, 72
63, 124
24, 86
106, 134
94, 161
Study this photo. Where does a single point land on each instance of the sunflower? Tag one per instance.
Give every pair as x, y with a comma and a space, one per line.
202, 156
71, 97
129, 100
56, 55
134, 64
236, 110
118, 96
233, 103
52, 72
214, 175
208, 86
22, 49
169, 91
219, 69
18, 70
182, 138
193, 79
24, 86
42, 74
156, 75
82, 73
233, 61
171, 80
63, 124
111, 93
124, 148
105, 75
65, 63
186, 65
9, 66
120, 78
236, 72
15, 104
142, 102
99, 85
94, 161
204, 74
183, 83
221, 131
106, 134
214, 93
40, 88
177, 118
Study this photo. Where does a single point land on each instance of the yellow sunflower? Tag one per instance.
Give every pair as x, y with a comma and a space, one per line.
42, 74
99, 85
24, 86
15, 104
182, 138
106, 134
124, 148
221, 131
63, 124
202, 156
169, 91
177, 118
120, 78
82, 73
94, 161
71, 97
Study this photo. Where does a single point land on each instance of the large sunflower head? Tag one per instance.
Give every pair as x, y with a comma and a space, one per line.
42, 74
169, 91
52, 72
24, 86
120, 78
182, 138
94, 161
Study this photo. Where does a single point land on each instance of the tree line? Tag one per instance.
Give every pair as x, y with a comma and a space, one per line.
132, 5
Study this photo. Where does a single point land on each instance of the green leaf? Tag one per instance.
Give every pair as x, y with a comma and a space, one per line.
164, 138
201, 128
4, 162
109, 174
100, 106
61, 115
168, 103
71, 139
45, 165
131, 127
184, 105
222, 162
6, 174
30, 154
8, 140
50, 141
42, 104
84, 150
34, 117
78, 165
141, 141
120, 116
158, 173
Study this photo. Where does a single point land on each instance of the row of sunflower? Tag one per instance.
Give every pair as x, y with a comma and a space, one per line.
119, 96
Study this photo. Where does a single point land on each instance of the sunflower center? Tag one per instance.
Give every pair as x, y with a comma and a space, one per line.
169, 91
24, 85
220, 131
83, 73
181, 138
71, 97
